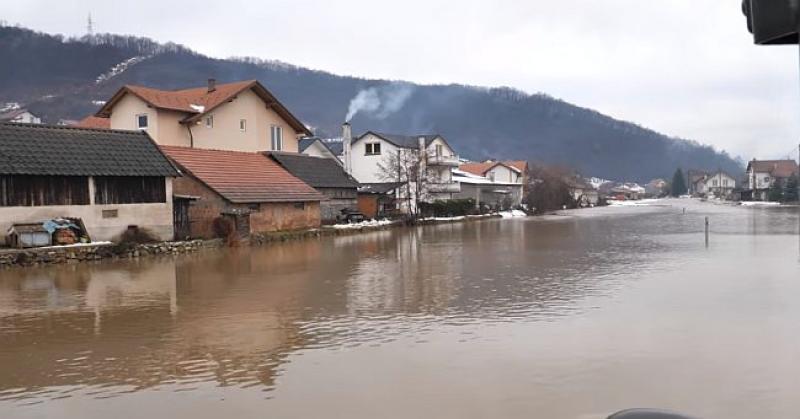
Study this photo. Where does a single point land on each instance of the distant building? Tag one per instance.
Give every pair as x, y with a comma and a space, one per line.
20, 116
240, 116
251, 190
486, 192
720, 184
656, 188
694, 176
328, 177
315, 147
373, 158
583, 193
509, 171
763, 174
108, 179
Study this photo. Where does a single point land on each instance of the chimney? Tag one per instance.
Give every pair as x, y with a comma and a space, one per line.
212, 85
347, 140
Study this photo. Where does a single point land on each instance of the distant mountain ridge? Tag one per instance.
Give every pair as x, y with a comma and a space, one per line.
60, 78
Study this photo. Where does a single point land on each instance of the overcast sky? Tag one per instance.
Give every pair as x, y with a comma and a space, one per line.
683, 67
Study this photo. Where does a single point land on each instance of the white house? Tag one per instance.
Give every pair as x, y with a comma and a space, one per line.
315, 147
762, 174
20, 116
373, 158
720, 184
486, 192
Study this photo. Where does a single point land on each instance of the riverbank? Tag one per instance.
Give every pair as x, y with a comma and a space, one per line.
88, 252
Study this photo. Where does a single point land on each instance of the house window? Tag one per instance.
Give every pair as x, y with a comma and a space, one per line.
242, 125
491, 176
716, 183
210, 121
439, 150
725, 182
141, 121
372, 149
276, 135
300, 205
129, 190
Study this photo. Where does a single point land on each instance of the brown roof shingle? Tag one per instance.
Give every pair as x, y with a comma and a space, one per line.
480, 169
92, 121
242, 177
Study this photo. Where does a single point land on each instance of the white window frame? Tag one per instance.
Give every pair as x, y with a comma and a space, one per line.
439, 150
369, 149
146, 119
210, 121
243, 125
276, 137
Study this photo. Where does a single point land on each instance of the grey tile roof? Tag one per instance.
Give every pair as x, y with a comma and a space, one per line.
319, 172
32, 149
336, 147
379, 188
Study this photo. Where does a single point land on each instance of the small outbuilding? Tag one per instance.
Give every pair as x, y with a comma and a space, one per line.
249, 189
107, 179
328, 177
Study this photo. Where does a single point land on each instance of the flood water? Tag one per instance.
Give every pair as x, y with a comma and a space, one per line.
559, 317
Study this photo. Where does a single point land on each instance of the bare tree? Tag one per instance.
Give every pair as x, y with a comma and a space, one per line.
407, 167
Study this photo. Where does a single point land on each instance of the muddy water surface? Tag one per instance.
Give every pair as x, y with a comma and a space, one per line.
562, 317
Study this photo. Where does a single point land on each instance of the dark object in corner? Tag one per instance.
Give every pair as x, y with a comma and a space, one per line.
772, 22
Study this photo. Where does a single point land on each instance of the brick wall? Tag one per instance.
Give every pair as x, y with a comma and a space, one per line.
268, 217
285, 216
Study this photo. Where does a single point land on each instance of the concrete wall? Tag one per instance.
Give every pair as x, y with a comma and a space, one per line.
156, 217
123, 115
265, 217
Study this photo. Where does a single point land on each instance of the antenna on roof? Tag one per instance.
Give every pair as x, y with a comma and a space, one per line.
89, 25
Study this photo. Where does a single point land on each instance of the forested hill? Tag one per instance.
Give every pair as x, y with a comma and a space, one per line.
68, 78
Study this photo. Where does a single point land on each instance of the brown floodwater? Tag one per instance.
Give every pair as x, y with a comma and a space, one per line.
558, 317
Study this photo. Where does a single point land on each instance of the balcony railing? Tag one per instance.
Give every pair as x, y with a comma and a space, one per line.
441, 160
444, 187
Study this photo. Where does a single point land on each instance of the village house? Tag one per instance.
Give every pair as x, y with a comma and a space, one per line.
315, 147
19, 115
240, 116
763, 174
328, 177
510, 171
720, 184
424, 160
486, 193
251, 190
656, 188
695, 181
108, 179
582, 192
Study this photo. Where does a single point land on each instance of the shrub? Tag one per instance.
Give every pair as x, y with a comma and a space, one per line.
133, 236
450, 208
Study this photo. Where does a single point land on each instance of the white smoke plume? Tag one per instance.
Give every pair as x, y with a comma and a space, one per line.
380, 102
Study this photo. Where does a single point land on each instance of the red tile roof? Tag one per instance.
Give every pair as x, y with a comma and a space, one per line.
198, 101
241, 177
777, 168
92, 121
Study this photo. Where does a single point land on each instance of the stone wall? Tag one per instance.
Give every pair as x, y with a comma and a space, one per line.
82, 253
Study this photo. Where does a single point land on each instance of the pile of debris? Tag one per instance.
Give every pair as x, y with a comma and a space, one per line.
62, 231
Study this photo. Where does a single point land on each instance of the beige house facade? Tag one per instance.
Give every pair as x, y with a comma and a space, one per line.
241, 116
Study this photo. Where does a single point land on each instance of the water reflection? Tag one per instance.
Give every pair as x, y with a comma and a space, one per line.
238, 319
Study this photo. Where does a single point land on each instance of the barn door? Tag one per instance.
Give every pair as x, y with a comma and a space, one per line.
180, 218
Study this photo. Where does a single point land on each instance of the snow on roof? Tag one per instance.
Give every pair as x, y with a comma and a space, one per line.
198, 108
472, 179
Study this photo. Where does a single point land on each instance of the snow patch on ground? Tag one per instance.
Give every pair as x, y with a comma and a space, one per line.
760, 204
63, 246
513, 213
363, 224
120, 68
640, 203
